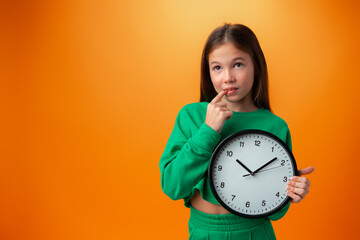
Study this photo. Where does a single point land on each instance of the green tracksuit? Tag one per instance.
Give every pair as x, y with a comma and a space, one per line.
185, 161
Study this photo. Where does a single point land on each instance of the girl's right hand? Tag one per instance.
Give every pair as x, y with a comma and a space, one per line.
217, 112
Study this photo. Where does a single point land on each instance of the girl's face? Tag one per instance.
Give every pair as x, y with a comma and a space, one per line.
232, 70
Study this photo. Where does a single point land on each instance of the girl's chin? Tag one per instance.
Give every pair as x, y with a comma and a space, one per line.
232, 99
237, 99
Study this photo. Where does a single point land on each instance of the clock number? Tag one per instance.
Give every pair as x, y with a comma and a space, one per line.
222, 185
233, 196
263, 203
241, 144
247, 204
272, 149
282, 162
278, 194
257, 143
219, 168
285, 179
229, 153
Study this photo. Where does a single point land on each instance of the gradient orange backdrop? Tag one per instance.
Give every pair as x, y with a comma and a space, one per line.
90, 91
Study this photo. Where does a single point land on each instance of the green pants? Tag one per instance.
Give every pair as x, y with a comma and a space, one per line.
228, 227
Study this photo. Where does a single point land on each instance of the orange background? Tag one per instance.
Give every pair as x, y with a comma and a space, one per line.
90, 91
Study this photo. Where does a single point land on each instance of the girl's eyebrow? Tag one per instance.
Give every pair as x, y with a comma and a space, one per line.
238, 58
214, 62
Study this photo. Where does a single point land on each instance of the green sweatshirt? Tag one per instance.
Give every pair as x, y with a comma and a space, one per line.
185, 160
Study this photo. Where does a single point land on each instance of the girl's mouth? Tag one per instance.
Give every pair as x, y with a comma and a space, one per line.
230, 91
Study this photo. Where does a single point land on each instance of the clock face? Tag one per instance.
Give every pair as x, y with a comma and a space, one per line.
249, 172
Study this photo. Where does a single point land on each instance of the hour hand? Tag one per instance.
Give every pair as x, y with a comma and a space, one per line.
266, 164
251, 173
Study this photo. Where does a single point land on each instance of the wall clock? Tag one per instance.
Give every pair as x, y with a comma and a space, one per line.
249, 171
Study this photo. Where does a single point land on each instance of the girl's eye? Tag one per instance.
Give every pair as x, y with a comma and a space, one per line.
217, 68
238, 65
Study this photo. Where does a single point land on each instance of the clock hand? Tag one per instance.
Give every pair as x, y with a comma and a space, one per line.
263, 170
251, 173
257, 170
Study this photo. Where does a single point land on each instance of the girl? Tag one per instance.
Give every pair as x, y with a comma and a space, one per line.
234, 97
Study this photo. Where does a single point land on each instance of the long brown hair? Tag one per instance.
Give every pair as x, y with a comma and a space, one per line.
244, 39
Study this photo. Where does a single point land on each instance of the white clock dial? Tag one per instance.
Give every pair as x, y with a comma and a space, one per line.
249, 172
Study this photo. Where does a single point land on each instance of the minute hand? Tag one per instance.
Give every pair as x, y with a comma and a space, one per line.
257, 170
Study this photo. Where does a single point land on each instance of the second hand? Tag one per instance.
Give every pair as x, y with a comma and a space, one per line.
246, 175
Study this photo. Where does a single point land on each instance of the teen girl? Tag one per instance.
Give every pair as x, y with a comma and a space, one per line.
234, 97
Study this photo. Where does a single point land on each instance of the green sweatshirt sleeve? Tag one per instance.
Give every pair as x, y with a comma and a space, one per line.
186, 156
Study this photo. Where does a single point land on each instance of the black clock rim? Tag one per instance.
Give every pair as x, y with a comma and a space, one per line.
212, 160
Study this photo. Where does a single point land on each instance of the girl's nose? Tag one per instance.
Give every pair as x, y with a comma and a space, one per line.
229, 78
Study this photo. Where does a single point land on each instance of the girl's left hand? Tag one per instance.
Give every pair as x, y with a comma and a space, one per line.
298, 187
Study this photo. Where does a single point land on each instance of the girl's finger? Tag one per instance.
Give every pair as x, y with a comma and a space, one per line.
225, 112
297, 184
306, 171
229, 114
222, 104
298, 191
294, 197
300, 179
218, 97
